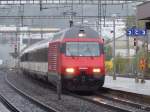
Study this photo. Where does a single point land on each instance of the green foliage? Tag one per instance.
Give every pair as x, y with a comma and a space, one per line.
108, 52
131, 21
120, 64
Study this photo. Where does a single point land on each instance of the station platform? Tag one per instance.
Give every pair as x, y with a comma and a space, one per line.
3, 108
128, 84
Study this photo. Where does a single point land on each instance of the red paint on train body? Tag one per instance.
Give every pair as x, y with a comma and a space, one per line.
72, 68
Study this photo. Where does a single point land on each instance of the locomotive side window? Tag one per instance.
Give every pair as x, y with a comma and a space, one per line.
82, 49
62, 48
102, 48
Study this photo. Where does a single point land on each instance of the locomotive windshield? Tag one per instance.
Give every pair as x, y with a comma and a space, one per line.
82, 49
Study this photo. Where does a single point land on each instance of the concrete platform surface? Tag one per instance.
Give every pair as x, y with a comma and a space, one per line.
3, 108
128, 84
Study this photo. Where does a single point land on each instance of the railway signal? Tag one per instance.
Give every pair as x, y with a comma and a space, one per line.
135, 41
103, 40
71, 23
15, 47
142, 64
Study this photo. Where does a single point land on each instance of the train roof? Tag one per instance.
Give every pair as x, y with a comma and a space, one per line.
38, 45
67, 33
74, 31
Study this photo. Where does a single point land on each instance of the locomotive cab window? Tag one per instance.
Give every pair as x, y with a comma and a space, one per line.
62, 48
82, 49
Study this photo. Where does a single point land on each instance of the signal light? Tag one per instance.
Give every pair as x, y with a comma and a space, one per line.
103, 39
135, 41
15, 48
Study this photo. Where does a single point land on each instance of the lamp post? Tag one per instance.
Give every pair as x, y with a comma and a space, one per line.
114, 44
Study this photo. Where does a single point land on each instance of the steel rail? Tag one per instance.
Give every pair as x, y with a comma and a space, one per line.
125, 102
118, 109
126, 94
101, 103
30, 98
8, 105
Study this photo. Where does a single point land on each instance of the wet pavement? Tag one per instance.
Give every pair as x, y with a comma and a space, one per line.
3, 108
128, 84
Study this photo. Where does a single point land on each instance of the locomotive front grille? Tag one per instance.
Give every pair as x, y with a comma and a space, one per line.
83, 76
83, 73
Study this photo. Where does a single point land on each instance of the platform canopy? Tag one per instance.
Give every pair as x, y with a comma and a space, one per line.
143, 11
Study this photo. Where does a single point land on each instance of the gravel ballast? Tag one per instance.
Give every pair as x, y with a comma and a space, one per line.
15, 99
43, 93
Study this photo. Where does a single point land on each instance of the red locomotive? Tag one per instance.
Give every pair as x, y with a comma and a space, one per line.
75, 55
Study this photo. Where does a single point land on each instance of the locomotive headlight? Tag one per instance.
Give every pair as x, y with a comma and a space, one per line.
70, 70
81, 34
96, 70
96, 73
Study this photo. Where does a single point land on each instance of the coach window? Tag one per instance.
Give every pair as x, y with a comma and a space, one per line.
44, 55
35, 56
38, 55
29, 56
26, 57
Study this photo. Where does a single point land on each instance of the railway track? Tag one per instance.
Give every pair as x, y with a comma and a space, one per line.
9, 106
38, 103
114, 103
68, 103
103, 99
132, 104
94, 100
